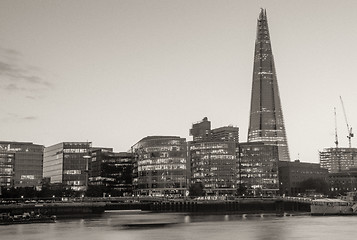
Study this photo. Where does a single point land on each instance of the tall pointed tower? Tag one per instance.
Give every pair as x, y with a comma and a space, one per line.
266, 117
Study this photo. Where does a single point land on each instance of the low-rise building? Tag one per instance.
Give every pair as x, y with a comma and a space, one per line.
343, 182
293, 174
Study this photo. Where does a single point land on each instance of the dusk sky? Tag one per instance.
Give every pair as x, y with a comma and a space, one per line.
113, 72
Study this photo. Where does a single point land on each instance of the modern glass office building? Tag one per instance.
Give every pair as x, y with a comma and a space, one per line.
111, 171
161, 166
258, 168
212, 157
20, 164
66, 163
7, 169
266, 116
214, 165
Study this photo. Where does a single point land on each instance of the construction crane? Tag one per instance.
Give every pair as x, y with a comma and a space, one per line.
349, 129
336, 137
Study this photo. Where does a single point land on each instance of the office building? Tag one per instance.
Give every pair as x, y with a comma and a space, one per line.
201, 131
212, 158
161, 166
20, 164
266, 117
343, 182
338, 159
66, 164
225, 134
257, 169
111, 172
293, 174
214, 164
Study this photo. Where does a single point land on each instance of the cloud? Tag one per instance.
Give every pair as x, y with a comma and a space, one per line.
30, 118
17, 76
11, 117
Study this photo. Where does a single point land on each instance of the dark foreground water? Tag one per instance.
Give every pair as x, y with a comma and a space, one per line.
114, 226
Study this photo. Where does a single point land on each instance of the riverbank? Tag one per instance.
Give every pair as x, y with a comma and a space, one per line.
83, 209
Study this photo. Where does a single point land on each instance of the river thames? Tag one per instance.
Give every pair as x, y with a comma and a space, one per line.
123, 226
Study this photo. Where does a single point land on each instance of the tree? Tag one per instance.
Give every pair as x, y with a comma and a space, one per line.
241, 190
196, 190
317, 184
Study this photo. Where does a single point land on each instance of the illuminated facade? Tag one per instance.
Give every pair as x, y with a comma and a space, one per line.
111, 171
338, 159
161, 166
67, 164
214, 165
266, 116
7, 169
258, 168
212, 157
20, 164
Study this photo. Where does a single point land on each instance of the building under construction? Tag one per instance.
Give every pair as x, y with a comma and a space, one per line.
338, 159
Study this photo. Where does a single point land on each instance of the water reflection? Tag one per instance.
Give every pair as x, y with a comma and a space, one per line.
112, 226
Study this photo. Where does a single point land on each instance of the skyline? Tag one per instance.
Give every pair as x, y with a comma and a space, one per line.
113, 73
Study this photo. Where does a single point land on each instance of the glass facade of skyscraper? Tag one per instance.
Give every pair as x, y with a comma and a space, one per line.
266, 116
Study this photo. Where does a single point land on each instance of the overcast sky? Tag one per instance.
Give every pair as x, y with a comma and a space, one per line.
113, 72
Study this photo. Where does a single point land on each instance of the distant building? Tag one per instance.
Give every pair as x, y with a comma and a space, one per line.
343, 182
66, 164
214, 163
111, 171
266, 116
338, 159
258, 168
225, 134
161, 166
292, 174
201, 131
20, 164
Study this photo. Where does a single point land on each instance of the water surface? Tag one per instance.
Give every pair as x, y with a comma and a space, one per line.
111, 225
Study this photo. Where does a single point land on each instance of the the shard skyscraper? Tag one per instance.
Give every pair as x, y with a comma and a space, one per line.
266, 117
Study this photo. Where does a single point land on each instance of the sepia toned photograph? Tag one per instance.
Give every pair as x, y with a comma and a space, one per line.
174, 119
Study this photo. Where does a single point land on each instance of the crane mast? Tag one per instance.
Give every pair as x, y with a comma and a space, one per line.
349, 129
336, 137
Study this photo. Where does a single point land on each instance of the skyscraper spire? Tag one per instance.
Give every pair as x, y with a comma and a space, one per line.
266, 117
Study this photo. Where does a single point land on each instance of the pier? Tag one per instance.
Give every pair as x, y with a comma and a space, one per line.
60, 209
88, 207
